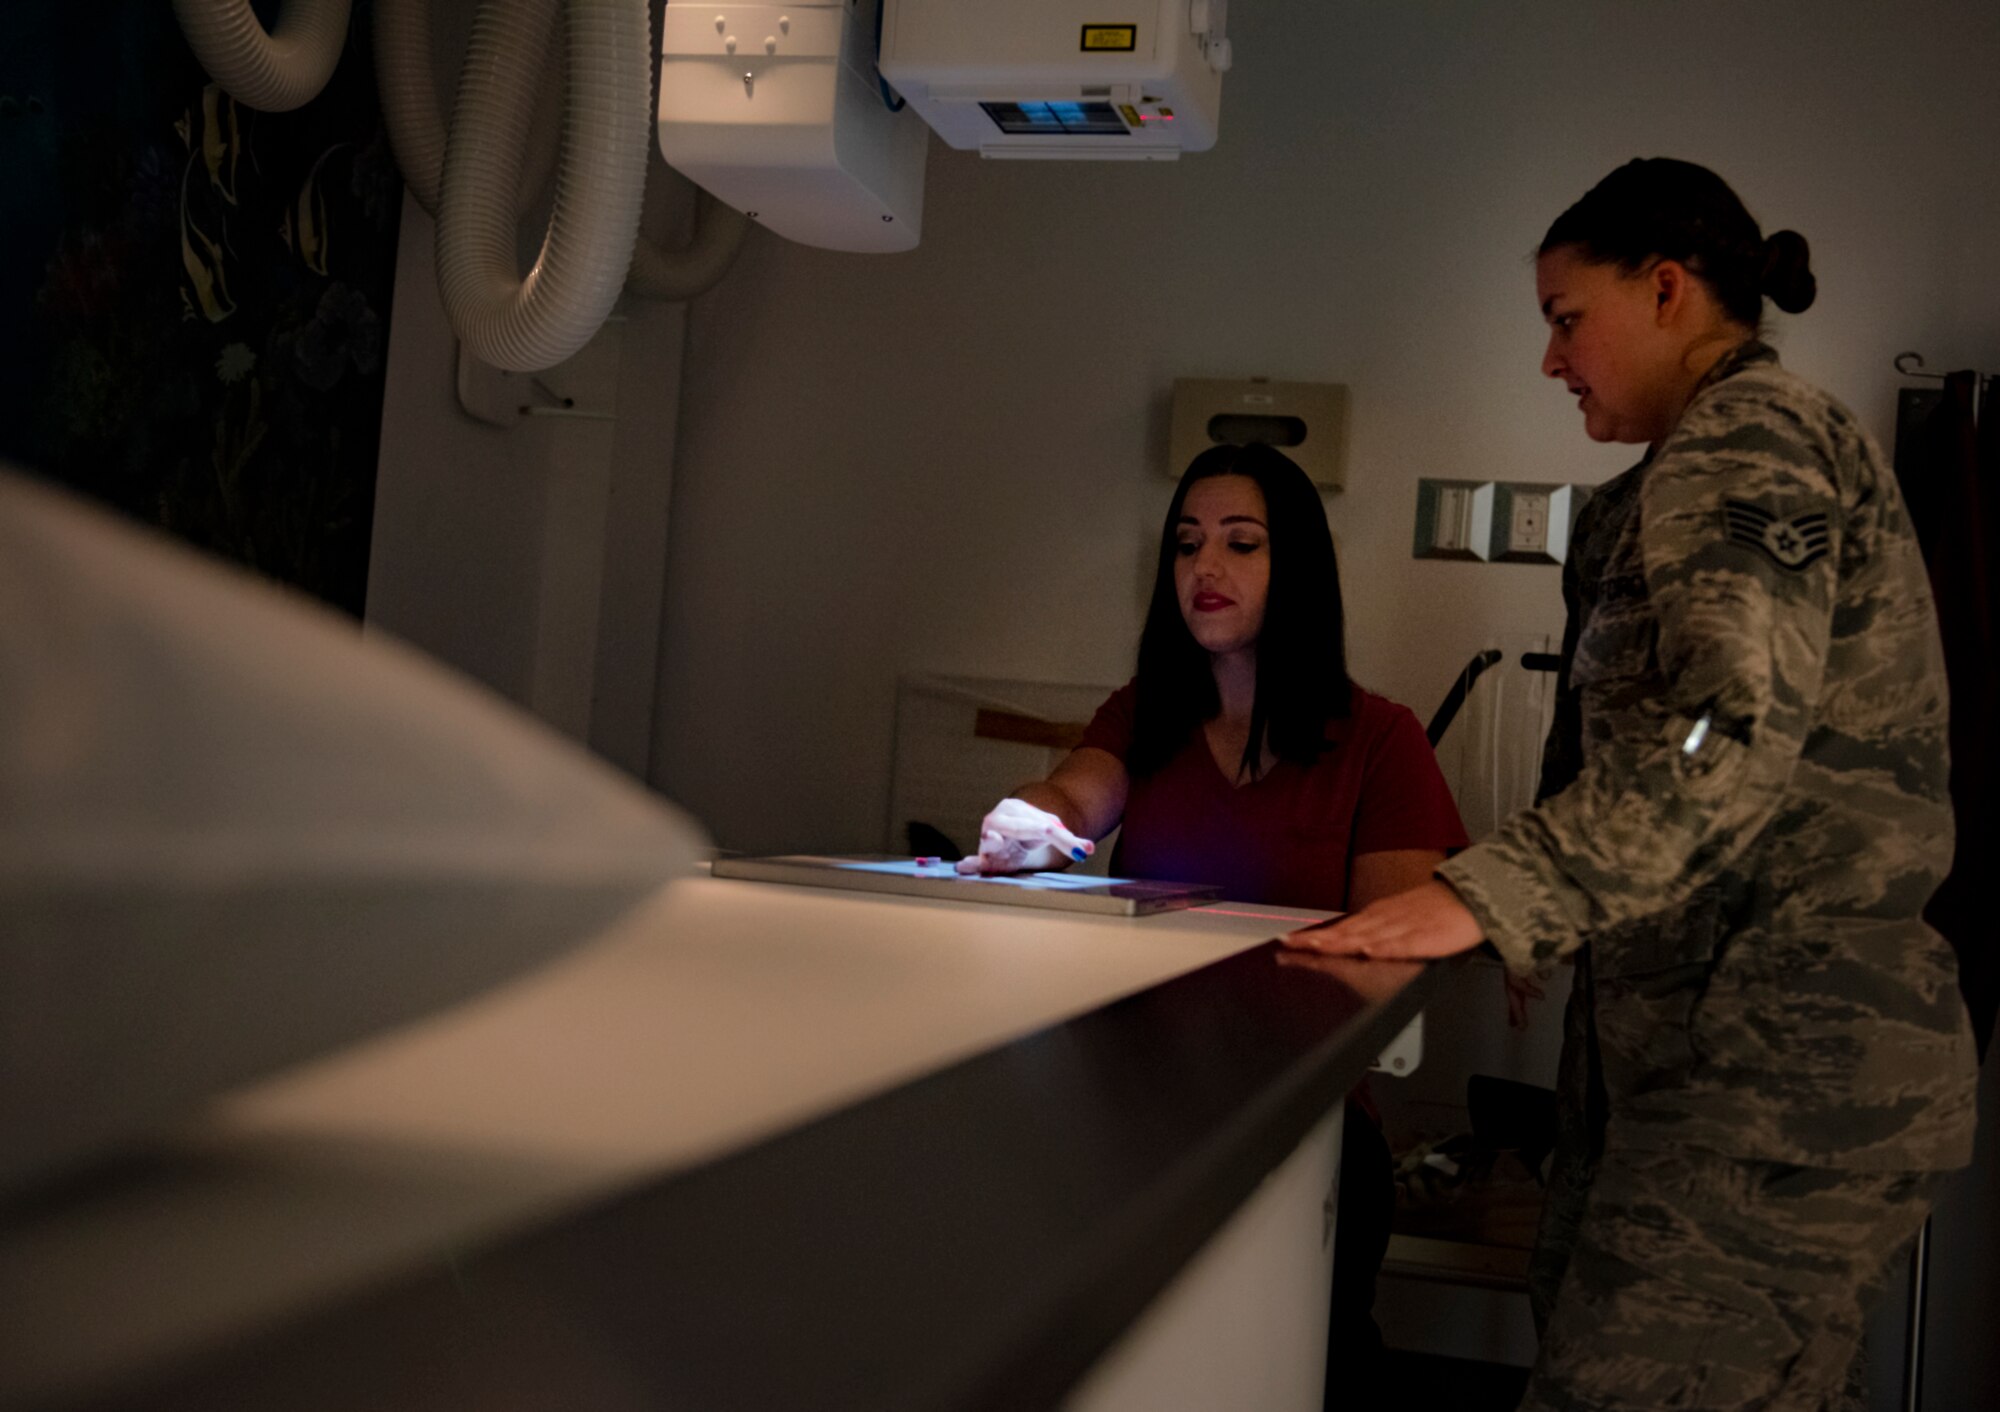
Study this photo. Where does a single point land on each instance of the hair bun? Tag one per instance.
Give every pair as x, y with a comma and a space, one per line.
1787, 278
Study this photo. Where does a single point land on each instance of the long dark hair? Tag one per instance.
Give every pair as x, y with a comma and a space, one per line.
1301, 650
1658, 208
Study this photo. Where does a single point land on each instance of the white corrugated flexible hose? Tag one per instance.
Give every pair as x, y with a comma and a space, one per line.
404, 74
407, 82
525, 323
273, 72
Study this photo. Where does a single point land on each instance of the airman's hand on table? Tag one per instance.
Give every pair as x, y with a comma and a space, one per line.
1423, 924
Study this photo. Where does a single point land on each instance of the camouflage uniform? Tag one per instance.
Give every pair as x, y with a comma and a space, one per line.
1766, 1063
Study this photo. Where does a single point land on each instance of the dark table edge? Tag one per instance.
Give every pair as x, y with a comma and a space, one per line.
1267, 1051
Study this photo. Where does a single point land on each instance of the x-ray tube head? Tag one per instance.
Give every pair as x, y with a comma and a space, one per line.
1047, 79
814, 118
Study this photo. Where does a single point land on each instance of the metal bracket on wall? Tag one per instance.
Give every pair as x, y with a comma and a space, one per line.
501, 398
1405, 1051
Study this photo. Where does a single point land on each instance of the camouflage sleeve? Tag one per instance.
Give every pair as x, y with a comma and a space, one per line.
1739, 535
1562, 749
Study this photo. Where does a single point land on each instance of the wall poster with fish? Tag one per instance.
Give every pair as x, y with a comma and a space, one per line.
194, 296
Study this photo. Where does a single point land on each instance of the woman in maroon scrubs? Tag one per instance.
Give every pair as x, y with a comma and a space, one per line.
1242, 755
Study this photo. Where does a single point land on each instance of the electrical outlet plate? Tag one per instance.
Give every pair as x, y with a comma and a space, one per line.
1528, 522
1531, 522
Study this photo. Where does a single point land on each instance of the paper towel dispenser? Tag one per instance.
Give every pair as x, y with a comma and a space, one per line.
1305, 420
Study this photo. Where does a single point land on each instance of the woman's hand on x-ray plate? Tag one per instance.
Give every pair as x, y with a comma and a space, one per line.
1016, 837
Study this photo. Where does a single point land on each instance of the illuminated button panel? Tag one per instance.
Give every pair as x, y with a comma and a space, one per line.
1057, 119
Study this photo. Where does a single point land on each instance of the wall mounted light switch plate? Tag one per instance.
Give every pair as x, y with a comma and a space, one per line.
1454, 519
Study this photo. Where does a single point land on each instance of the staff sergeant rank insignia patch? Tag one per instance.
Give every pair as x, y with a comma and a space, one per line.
1791, 544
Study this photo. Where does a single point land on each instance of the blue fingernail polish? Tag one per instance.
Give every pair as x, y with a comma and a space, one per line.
1077, 853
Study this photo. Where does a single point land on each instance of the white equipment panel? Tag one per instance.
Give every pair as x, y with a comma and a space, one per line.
776, 110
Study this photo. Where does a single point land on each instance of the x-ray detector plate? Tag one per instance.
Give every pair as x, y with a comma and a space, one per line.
910, 877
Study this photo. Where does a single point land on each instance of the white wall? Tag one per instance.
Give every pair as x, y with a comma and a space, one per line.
953, 459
